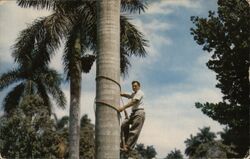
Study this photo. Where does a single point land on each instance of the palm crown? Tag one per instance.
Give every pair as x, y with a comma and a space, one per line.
70, 18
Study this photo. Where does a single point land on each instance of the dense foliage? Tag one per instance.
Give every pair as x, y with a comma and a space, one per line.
204, 145
226, 35
176, 154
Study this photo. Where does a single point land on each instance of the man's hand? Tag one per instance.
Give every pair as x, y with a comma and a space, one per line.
120, 109
123, 94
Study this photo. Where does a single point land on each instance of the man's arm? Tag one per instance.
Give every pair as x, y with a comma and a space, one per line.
129, 104
126, 95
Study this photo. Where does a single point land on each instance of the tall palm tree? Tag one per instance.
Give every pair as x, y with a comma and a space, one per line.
107, 89
76, 22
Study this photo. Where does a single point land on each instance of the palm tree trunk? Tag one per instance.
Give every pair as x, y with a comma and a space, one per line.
108, 65
75, 92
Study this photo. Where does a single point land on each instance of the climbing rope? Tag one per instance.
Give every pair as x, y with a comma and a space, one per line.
106, 103
110, 79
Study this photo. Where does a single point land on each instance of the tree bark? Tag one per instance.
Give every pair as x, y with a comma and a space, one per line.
75, 92
108, 65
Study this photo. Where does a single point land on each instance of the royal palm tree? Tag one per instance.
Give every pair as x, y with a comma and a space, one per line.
108, 79
76, 22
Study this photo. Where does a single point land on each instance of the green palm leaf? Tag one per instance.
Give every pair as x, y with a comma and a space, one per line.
9, 78
12, 99
133, 5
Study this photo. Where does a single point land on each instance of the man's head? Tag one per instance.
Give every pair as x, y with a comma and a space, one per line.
136, 86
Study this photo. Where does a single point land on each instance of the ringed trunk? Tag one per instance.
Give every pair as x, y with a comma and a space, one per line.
108, 65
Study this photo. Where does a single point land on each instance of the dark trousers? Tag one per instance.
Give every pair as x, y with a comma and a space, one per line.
131, 128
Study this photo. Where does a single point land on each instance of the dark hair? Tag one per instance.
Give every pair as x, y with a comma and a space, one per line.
136, 82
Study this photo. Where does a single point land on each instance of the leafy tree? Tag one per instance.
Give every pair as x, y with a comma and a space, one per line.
146, 152
28, 132
226, 35
212, 149
203, 144
202, 137
87, 141
176, 154
61, 129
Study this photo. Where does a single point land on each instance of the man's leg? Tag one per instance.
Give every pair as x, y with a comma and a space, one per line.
136, 126
124, 132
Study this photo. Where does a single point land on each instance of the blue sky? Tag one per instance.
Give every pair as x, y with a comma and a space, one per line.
173, 75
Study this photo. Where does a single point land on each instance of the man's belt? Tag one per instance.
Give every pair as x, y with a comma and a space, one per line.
134, 110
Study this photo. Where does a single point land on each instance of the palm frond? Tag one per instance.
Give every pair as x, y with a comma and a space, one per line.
40, 40
124, 63
64, 121
70, 56
24, 45
133, 6
58, 95
52, 81
42, 92
57, 26
132, 40
68, 7
9, 78
12, 99
38, 4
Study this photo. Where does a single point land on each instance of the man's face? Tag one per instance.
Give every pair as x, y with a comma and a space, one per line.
135, 87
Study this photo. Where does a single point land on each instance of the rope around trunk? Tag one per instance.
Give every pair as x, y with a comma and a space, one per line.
104, 102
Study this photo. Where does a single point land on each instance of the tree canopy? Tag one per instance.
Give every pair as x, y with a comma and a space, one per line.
226, 35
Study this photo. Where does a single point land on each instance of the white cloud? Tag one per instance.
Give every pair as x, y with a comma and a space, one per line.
172, 117
57, 61
165, 7
13, 20
157, 40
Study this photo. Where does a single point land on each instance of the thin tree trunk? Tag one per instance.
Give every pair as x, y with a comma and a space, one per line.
75, 92
108, 65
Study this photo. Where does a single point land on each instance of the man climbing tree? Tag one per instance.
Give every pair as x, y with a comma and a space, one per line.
131, 127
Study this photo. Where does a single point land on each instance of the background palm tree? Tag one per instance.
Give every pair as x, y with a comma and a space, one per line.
76, 22
205, 135
28, 80
174, 154
191, 145
201, 144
